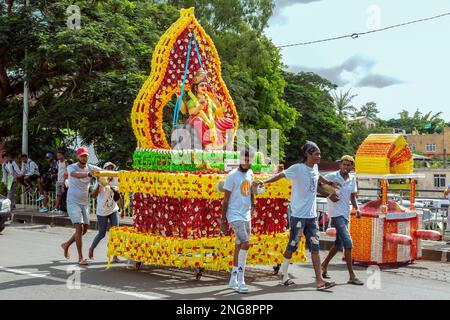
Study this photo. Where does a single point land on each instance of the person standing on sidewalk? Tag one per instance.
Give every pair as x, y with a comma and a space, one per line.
339, 212
59, 186
80, 174
306, 181
30, 172
46, 180
237, 208
10, 171
107, 208
447, 195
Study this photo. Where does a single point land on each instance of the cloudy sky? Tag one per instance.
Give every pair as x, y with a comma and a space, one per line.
403, 68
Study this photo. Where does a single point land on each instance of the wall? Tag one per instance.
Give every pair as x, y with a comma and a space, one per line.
420, 141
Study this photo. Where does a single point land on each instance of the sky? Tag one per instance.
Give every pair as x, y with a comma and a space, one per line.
403, 68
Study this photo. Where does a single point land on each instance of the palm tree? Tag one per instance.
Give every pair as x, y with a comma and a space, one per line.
342, 103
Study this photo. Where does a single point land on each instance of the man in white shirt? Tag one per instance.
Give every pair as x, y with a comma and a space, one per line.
339, 211
30, 172
237, 208
80, 174
10, 171
59, 186
306, 181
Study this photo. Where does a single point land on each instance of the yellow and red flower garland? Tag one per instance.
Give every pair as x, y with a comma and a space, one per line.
207, 253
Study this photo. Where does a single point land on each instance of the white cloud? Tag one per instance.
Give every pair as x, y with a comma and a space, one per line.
356, 71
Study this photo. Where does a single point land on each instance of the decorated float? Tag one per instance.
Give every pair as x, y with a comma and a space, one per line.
175, 190
387, 233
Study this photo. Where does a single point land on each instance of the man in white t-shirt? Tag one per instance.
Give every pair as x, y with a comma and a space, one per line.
80, 174
10, 172
237, 207
306, 181
59, 186
447, 194
339, 211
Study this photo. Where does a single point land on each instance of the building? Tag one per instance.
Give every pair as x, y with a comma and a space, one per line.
368, 122
431, 145
435, 182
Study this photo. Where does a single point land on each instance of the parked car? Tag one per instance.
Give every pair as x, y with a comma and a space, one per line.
5, 212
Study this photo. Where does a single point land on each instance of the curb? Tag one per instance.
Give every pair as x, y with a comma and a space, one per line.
54, 220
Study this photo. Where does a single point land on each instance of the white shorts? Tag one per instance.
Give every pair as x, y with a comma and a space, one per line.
242, 229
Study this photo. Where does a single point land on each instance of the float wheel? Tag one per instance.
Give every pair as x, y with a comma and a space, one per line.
199, 274
276, 269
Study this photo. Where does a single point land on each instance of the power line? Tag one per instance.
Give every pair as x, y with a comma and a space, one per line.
357, 34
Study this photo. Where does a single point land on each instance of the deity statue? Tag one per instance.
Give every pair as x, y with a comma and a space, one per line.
206, 114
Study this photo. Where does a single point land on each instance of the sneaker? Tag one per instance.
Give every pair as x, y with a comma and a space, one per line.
43, 210
56, 211
233, 281
40, 198
242, 288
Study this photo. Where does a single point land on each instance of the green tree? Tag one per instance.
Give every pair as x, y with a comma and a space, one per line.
85, 80
423, 123
369, 110
343, 103
310, 95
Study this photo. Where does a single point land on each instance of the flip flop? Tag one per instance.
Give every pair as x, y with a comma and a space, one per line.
355, 281
288, 282
325, 275
326, 286
83, 262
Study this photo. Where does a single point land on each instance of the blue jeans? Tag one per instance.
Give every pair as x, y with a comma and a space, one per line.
343, 238
102, 223
308, 227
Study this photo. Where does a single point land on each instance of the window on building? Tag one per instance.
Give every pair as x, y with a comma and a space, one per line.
412, 146
439, 181
431, 147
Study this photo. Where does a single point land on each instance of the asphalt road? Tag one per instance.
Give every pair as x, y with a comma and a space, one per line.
32, 266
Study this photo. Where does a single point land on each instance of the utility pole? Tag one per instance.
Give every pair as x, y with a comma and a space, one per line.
444, 150
25, 103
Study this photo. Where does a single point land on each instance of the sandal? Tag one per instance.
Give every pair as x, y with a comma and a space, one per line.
83, 262
326, 286
288, 282
325, 275
355, 281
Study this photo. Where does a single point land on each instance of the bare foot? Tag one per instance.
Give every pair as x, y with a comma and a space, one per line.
91, 253
66, 250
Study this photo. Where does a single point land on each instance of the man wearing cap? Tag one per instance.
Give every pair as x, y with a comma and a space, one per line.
107, 208
46, 180
79, 178
339, 211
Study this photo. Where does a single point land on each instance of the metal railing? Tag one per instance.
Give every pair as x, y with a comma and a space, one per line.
28, 200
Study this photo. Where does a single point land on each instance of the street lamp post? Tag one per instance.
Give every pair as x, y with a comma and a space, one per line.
25, 104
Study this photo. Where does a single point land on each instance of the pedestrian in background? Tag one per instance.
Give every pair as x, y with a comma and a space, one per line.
10, 171
59, 186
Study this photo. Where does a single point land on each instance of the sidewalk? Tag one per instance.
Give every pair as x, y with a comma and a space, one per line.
62, 220
431, 250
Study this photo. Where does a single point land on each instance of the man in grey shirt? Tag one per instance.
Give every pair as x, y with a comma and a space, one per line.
80, 174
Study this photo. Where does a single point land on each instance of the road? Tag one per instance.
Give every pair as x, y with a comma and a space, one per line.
32, 266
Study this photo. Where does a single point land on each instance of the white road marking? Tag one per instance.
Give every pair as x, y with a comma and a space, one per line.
97, 287
28, 273
138, 295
